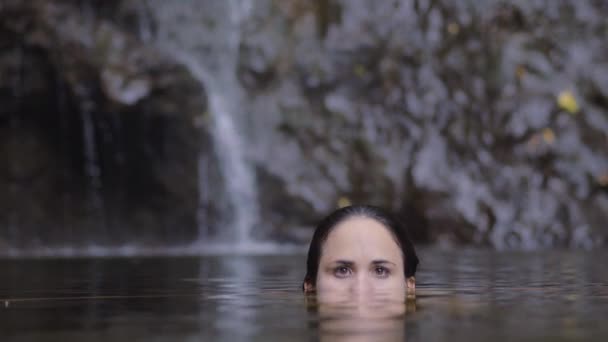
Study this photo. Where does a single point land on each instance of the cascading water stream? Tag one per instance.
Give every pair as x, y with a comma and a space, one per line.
92, 168
239, 180
206, 41
91, 164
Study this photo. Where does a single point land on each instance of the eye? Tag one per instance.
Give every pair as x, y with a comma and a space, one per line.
381, 272
342, 271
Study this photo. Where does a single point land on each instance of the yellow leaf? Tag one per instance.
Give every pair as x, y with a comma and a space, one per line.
567, 102
548, 135
453, 28
520, 71
343, 202
360, 70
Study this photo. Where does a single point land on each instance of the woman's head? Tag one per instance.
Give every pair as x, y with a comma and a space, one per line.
360, 250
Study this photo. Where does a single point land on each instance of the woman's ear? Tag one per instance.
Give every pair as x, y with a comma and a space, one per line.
410, 283
308, 287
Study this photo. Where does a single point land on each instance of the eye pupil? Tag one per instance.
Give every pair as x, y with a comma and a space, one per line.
381, 271
342, 271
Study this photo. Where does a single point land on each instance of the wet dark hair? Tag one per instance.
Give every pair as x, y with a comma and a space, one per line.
397, 229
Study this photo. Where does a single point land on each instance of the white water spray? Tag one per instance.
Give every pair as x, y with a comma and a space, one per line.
206, 42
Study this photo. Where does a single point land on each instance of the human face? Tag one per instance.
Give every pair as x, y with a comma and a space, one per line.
361, 262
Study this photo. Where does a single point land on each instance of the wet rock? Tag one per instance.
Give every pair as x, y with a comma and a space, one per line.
464, 98
479, 123
101, 138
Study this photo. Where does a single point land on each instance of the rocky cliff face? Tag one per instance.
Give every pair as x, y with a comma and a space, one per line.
100, 135
483, 123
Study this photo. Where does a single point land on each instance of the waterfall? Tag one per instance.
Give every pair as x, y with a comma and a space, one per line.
91, 164
204, 36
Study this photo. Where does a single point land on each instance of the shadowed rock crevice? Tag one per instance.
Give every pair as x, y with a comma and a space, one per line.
90, 164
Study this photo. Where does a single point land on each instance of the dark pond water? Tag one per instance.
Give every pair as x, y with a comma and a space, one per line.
461, 296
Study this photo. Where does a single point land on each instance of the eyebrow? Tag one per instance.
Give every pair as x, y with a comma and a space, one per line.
382, 261
374, 262
344, 262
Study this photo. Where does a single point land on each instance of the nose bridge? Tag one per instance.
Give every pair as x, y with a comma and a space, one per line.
362, 285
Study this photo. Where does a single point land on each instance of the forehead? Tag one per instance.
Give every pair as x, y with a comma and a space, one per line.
361, 237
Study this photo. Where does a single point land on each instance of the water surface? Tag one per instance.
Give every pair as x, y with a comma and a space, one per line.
461, 296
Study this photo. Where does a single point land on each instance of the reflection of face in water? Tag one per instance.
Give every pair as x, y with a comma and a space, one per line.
361, 263
362, 321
